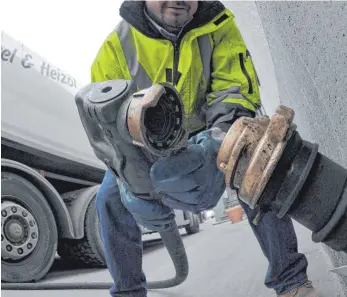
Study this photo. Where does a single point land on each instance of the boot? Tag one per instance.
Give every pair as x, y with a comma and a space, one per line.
306, 290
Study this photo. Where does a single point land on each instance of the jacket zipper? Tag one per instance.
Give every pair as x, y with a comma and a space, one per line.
175, 62
243, 68
176, 45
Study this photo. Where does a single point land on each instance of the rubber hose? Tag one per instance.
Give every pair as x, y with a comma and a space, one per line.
173, 243
312, 190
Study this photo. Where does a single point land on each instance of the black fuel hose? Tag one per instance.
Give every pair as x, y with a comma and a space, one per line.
312, 190
173, 243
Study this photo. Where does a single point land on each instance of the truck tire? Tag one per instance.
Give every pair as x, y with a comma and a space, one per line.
88, 251
194, 225
29, 234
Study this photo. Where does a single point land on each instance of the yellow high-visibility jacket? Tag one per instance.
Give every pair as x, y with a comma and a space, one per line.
208, 63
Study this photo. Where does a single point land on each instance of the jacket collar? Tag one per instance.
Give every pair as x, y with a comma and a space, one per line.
133, 12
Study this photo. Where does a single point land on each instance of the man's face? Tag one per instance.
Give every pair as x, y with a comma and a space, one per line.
172, 13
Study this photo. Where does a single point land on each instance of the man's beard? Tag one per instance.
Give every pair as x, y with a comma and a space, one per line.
175, 27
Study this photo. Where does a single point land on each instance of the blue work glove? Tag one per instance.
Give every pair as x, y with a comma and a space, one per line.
191, 180
152, 214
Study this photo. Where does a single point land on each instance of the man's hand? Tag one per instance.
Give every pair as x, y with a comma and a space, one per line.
151, 214
191, 180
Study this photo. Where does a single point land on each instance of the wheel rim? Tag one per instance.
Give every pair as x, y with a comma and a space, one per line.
19, 231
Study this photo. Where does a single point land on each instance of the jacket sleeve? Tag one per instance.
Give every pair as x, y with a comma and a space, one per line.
234, 83
108, 64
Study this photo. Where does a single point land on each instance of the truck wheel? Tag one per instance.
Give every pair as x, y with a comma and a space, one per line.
88, 251
28, 231
194, 225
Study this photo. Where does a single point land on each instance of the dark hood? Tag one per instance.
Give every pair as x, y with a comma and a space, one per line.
133, 13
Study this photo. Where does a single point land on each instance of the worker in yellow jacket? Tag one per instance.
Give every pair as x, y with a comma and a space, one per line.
197, 47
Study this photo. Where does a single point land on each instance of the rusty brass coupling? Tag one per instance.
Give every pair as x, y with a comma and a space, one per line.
251, 150
156, 120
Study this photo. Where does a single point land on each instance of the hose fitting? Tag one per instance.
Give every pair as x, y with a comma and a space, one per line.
129, 130
273, 169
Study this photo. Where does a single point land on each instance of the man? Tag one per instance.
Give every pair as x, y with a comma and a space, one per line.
197, 47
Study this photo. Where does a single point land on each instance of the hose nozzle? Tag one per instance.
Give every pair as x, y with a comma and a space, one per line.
129, 130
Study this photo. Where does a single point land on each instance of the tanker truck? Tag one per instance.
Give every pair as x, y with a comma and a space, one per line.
49, 173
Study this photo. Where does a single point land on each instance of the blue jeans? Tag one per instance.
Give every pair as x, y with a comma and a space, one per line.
122, 241
277, 239
123, 246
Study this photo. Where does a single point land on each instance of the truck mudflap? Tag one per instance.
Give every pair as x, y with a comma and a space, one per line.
77, 203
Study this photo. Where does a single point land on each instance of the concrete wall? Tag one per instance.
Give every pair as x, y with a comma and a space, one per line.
300, 52
308, 45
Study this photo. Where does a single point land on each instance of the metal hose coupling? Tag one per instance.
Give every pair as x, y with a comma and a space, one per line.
272, 169
251, 150
129, 130
156, 120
